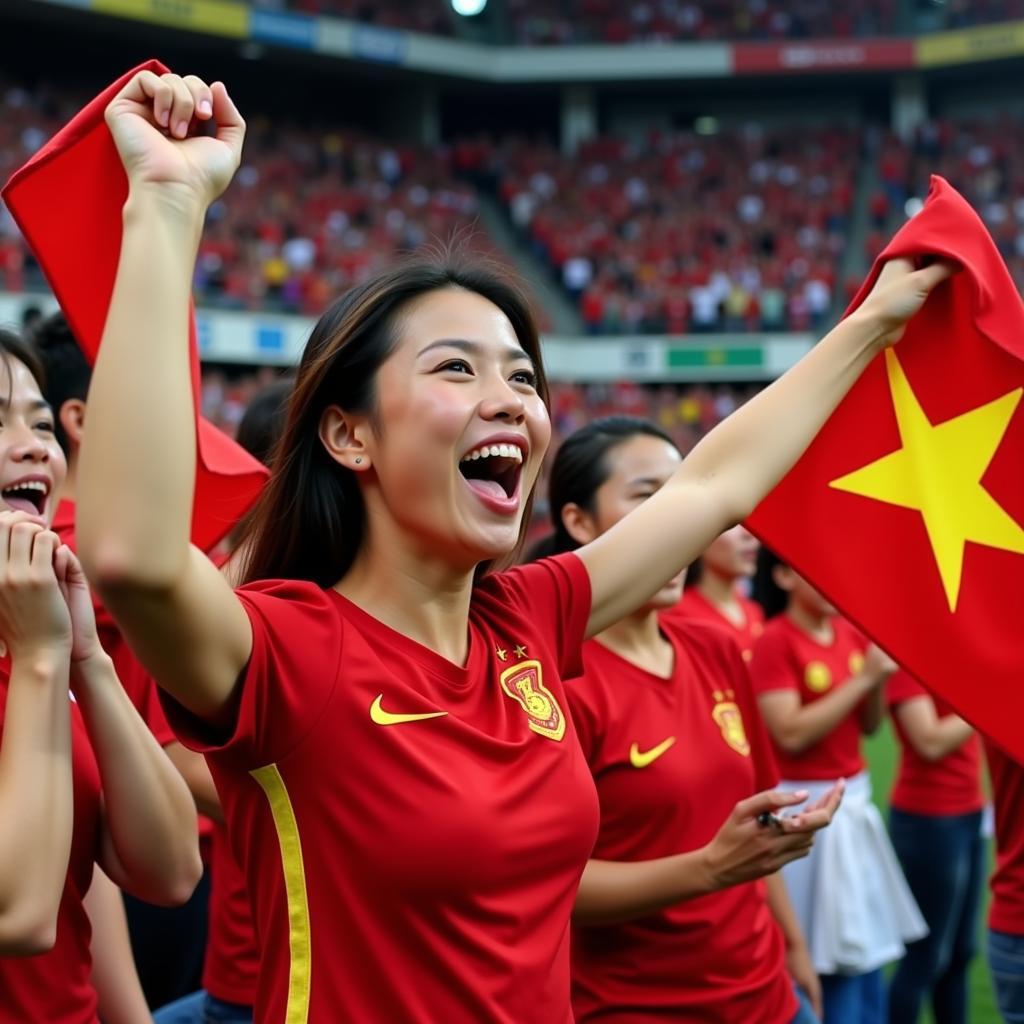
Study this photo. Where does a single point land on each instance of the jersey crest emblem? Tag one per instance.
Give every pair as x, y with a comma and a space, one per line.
817, 677
727, 717
524, 683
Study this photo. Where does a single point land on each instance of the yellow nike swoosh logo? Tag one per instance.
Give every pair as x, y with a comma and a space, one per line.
642, 758
382, 717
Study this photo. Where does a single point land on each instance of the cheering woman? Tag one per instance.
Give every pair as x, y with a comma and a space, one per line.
671, 731
82, 781
384, 712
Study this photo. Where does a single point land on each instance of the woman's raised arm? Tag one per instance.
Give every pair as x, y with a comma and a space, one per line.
137, 469
728, 473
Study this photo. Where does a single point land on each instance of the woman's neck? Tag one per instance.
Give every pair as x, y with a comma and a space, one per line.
638, 639
815, 624
424, 599
720, 591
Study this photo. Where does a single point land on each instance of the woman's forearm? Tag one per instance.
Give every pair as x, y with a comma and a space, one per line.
751, 450
797, 729
36, 803
613, 891
114, 975
149, 813
141, 407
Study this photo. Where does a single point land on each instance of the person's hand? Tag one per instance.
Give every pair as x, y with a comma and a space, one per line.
34, 617
877, 664
744, 849
74, 588
899, 293
801, 970
155, 121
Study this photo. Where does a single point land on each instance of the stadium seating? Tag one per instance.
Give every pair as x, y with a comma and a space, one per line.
680, 232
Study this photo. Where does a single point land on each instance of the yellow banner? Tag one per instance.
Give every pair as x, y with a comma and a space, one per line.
218, 17
987, 42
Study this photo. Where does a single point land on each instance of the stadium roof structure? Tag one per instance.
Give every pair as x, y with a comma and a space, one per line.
348, 40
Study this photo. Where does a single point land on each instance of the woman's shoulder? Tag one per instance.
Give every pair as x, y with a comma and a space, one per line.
706, 639
289, 605
300, 591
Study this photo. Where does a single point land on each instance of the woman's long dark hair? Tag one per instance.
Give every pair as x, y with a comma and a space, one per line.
14, 347
766, 592
581, 467
309, 521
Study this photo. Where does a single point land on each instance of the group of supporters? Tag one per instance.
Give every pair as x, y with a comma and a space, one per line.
437, 787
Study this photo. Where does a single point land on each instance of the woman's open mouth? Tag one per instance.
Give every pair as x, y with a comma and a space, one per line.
493, 472
27, 495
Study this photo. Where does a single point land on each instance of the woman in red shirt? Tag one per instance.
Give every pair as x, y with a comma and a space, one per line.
819, 685
82, 781
384, 716
713, 593
935, 825
671, 731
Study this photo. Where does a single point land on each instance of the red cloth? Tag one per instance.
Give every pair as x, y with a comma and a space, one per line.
951, 785
1006, 913
67, 200
439, 859
232, 964
56, 986
786, 658
695, 606
875, 560
719, 957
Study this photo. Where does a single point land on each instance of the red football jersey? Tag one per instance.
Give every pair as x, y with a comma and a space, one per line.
951, 785
786, 658
56, 987
671, 758
1006, 913
413, 831
232, 963
694, 605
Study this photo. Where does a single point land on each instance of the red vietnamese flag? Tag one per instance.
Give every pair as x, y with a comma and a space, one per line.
906, 510
67, 200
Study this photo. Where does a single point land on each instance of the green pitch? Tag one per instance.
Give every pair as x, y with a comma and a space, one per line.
882, 753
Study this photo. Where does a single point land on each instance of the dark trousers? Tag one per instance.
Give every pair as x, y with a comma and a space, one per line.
943, 858
169, 944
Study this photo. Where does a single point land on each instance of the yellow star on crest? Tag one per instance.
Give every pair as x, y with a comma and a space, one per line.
938, 472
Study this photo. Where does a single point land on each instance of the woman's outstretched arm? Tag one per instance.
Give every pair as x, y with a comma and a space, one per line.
137, 472
732, 469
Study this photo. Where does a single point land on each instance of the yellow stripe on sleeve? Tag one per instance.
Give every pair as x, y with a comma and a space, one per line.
299, 943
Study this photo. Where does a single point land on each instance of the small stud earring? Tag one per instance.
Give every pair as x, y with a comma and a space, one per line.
359, 461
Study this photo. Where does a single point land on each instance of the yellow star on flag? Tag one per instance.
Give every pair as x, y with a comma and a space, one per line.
938, 472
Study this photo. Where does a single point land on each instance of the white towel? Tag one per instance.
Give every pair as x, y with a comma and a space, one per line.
850, 895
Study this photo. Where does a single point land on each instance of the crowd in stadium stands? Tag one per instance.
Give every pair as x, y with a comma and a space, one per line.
27, 120
686, 233
983, 158
310, 212
670, 21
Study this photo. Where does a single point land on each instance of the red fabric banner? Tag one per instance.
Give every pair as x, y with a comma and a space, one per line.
67, 201
906, 510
